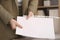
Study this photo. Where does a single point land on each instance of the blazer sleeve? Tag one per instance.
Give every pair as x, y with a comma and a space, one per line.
33, 6
5, 16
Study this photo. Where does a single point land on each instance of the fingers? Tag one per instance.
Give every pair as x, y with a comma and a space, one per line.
30, 15
14, 24
17, 24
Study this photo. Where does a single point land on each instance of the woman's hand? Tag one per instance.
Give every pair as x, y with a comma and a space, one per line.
30, 15
14, 24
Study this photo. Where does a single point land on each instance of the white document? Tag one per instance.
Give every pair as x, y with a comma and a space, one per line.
36, 27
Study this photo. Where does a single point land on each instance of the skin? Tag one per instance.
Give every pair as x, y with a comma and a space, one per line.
15, 24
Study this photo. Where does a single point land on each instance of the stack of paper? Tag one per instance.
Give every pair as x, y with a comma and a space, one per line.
36, 27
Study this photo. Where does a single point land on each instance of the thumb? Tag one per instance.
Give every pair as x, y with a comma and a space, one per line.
17, 24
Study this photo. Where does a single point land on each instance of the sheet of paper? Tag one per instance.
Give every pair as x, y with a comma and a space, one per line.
36, 27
